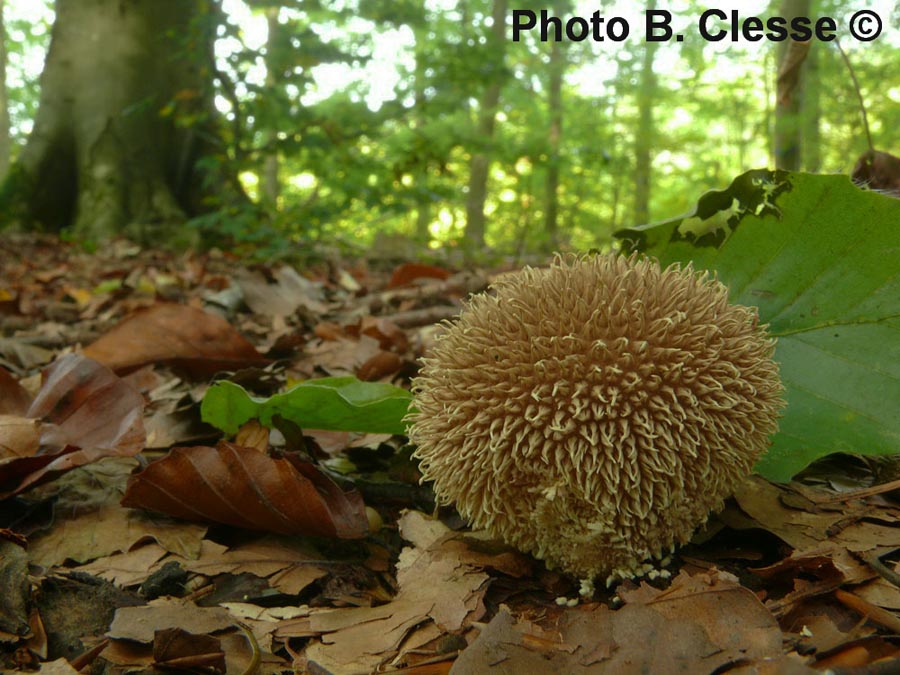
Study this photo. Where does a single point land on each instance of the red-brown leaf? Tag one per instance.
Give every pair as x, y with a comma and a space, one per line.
380, 365
408, 272
186, 337
87, 412
389, 335
241, 486
14, 400
92, 407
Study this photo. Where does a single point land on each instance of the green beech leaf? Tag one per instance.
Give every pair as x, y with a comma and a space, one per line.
820, 258
333, 403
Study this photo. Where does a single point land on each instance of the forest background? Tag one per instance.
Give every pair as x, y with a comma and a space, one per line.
398, 125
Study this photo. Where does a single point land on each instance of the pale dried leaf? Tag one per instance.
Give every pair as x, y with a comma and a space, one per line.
140, 623
110, 530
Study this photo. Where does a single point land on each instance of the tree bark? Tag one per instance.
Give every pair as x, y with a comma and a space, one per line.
789, 93
480, 164
420, 82
643, 143
812, 112
5, 141
557, 67
125, 114
270, 183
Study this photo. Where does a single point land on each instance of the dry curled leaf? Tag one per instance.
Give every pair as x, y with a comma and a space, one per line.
84, 412
241, 486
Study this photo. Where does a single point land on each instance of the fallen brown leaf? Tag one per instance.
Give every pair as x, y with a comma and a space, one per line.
57, 667
857, 654
380, 365
359, 639
699, 625
338, 357
789, 514
174, 648
288, 565
109, 530
86, 413
140, 624
129, 568
188, 338
92, 407
14, 400
27, 356
389, 335
283, 297
19, 436
880, 592
241, 486
407, 273
873, 613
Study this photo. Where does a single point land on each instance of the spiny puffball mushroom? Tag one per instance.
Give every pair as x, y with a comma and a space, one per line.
595, 412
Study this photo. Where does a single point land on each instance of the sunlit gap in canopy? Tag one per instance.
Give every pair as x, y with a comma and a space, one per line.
392, 50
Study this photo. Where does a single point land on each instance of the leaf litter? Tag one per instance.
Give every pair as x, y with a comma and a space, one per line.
792, 578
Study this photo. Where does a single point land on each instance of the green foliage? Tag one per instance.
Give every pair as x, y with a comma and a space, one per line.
27, 35
351, 168
370, 157
86, 244
819, 258
332, 403
242, 229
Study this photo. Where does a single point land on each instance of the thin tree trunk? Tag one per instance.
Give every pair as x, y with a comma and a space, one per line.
5, 141
423, 218
524, 185
480, 164
615, 159
789, 94
554, 140
769, 118
739, 123
420, 117
812, 111
271, 184
643, 144
614, 206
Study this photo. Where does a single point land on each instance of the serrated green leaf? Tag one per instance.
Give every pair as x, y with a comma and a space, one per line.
332, 403
821, 259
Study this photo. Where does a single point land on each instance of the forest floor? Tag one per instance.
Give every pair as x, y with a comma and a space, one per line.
792, 578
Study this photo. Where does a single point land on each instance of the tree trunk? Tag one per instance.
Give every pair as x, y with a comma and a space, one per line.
480, 164
5, 142
812, 112
789, 92
270, 183
420, 82
557, 67
125, 114
645, 135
